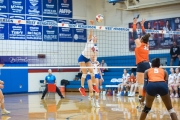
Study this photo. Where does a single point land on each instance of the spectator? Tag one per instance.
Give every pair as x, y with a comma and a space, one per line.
103, 64
51, 79
125, 78
134, 85
175, 53
171, 83
4, 111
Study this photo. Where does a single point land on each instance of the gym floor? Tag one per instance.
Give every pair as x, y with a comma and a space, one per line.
76, 107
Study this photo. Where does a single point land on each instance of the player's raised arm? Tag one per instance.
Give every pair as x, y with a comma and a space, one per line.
142, 26
91, 31
135, 36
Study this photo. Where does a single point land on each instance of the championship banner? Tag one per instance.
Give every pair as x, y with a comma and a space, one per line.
34, 32
65, 33
80, 35
3, 28
17, 31
3, 6
50, 29
65, 8
50, 7
17, 6
33, 7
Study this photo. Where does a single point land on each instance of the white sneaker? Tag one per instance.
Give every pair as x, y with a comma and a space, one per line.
119, 94
129, 94
4, 112
133, 94
92, 102
97, 105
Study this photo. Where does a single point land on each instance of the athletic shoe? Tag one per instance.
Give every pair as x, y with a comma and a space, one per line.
129, 94
172, 95
119, 94
82, 91
4, 112
95, 88
97, 104
92, 102
132, 94
176, 96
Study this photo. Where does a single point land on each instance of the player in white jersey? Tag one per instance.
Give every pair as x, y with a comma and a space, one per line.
177, 77
96, 70
172, 82
84, 61
125, 78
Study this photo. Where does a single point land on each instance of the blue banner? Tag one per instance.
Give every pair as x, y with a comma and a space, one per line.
17, 6
3, 28
33, 7
158, 41
50, 29
65, 8
20, 60
65, 34
33, 30
50, 8
17, 31
80, 35
3, 6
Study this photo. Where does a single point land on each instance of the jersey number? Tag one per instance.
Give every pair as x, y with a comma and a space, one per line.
146, 47
156, 70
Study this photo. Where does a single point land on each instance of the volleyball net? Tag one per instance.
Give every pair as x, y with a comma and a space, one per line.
63, 42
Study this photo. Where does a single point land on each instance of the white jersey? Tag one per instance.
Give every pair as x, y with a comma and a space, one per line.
171, 78
95, 66
177, 76
125, 77
90, 49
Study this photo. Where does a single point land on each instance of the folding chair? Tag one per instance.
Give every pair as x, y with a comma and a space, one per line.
42, 85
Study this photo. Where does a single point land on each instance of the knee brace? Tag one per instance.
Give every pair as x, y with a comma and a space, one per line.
96, 94
146, 109
84, 75
101, 87
171, 111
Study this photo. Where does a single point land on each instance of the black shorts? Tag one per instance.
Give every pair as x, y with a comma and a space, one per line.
154, 88
142, 66
174, 58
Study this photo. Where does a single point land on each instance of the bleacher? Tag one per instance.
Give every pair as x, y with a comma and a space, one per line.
117, 72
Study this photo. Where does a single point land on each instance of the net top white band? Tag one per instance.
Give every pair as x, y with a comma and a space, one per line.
55, 24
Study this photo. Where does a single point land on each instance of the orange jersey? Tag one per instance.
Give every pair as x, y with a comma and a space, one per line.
156, 74
132, 79
142, 53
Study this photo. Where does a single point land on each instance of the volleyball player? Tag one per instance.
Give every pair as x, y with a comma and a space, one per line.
172, 82
84, 61
157, 83
142, 57
95, 66
101, 80
4, 111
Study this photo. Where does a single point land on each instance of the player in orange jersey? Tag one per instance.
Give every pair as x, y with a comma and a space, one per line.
157, 83
142, 57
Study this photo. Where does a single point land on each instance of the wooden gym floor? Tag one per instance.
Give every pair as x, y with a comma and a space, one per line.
75, 107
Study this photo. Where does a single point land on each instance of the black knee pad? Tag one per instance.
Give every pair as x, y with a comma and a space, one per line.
146, 109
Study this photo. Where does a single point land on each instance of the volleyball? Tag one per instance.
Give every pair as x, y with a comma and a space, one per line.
99, 18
